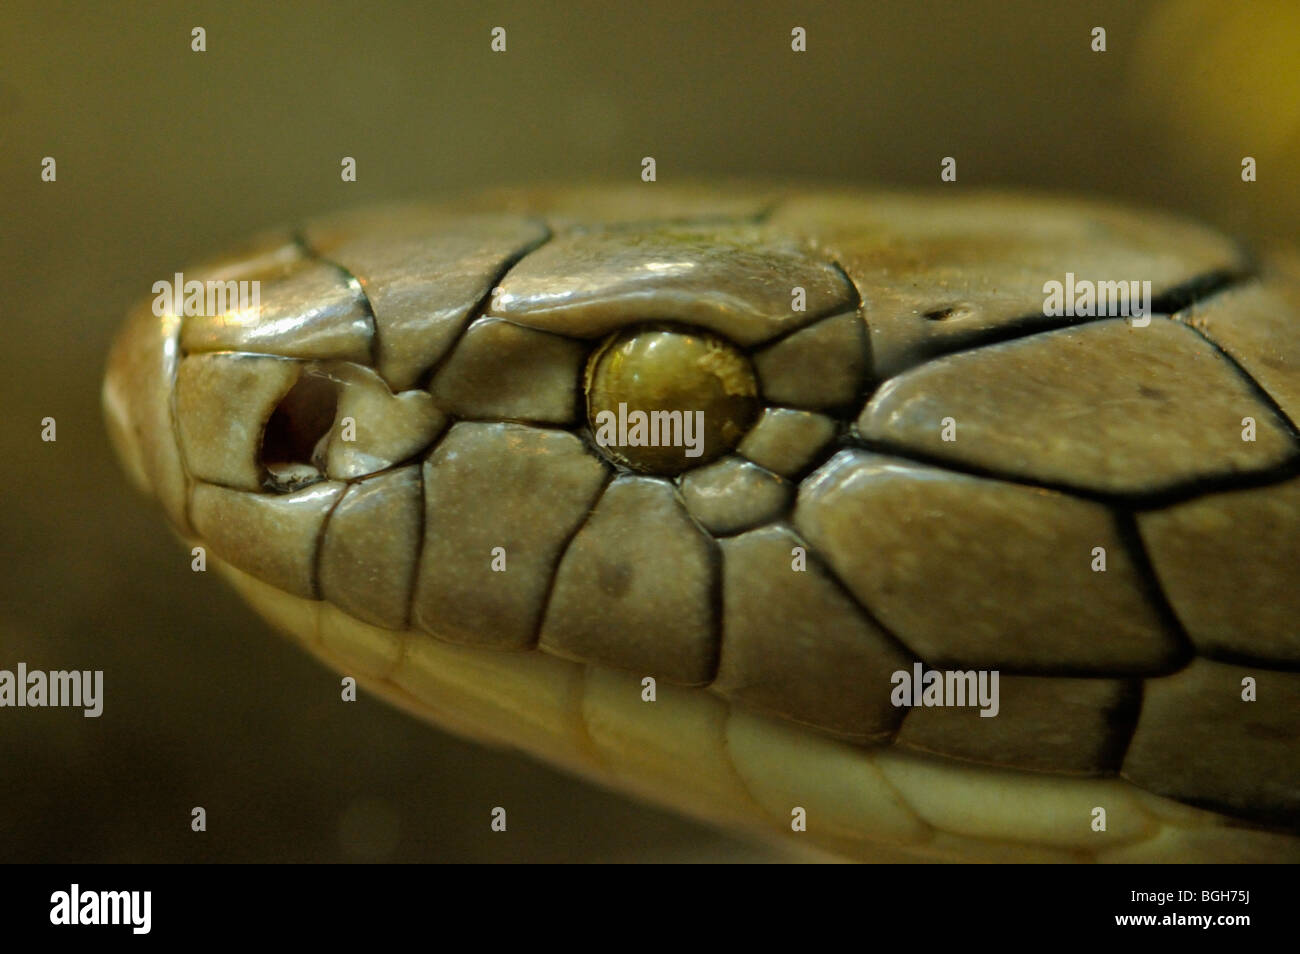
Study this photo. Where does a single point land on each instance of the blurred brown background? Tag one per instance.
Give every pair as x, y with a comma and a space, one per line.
165, 155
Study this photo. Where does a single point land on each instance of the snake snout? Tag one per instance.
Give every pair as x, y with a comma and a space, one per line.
137, 407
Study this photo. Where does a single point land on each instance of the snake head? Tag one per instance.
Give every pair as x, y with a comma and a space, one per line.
409, 442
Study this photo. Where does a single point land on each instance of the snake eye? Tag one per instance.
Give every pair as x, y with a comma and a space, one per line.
663, 400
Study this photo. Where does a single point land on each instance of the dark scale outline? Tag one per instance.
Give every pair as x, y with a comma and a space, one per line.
299, 238
421, 456
1258, 389
1155, 499
318, 549
715, 568
480, 307
716, 605
865, 612
419, 551
536, 643
775, 517
1194, 291
1145, 580
818, 458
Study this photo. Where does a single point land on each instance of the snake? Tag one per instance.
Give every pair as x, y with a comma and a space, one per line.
893, 526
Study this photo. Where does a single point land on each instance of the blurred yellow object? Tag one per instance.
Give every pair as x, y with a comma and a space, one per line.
1225, 79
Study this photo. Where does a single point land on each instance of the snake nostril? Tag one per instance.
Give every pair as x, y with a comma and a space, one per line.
295, 430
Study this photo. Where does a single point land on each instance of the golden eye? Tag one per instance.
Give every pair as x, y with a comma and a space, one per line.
663, 400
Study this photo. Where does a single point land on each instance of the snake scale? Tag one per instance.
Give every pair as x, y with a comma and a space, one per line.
877, 456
